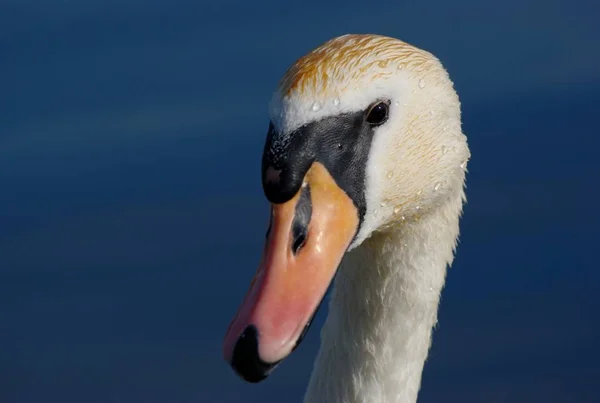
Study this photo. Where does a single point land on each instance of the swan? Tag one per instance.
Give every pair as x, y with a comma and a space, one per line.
364, 166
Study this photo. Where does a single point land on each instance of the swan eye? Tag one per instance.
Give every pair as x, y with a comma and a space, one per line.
378, 113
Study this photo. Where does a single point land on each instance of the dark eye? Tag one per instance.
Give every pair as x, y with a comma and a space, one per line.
378, 114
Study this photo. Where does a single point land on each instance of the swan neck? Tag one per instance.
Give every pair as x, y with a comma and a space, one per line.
382, 310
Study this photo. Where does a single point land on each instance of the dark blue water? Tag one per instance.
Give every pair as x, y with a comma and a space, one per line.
132, 217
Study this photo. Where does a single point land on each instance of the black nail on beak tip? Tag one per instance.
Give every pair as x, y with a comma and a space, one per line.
245, 360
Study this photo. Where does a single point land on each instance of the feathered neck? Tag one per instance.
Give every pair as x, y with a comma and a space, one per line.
382, 311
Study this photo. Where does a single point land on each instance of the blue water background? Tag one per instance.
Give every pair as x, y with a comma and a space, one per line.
132, 216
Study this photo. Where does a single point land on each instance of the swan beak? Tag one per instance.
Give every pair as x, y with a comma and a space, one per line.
308, 237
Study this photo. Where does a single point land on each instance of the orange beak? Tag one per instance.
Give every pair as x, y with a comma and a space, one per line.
307, 240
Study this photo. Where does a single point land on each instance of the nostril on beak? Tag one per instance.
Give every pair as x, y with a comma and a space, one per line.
301, 220
299, 239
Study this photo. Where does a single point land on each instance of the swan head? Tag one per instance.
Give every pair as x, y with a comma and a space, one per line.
365, 136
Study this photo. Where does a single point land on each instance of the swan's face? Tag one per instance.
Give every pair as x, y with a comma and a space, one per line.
364, 136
